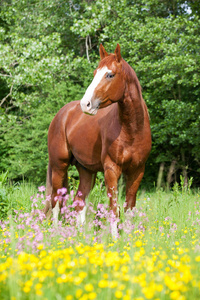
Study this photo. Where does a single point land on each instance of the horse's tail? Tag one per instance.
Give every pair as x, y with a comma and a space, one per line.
48, 208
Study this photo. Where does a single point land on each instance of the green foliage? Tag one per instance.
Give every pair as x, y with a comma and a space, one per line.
48, 52
3, 195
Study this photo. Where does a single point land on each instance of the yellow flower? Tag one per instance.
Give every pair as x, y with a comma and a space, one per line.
69, 297
138, 244
127, 297
197, 258
82, 274
38, 286
89, 287
103, 283
149, 291
40, 246
39, 293
79, 292
92, 296
43, 253
28, 283
84, 297
113, 284
59, 280
61, 269
118, 294
26, 289
175, 295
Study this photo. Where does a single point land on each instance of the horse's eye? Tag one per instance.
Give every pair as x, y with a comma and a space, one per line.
110, 75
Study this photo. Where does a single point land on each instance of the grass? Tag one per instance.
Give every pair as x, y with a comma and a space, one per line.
156, 255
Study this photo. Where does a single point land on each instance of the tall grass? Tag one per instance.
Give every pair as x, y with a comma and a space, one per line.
156, 254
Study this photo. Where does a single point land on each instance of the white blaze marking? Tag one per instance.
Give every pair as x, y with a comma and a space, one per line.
90, 90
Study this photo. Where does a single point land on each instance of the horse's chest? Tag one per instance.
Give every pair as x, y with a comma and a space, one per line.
122, 154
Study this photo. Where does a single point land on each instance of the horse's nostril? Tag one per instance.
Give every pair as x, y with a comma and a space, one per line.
88, 104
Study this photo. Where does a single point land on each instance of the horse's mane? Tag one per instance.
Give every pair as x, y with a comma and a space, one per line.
129, 73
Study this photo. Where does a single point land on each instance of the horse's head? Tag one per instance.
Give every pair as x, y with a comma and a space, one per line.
108, 84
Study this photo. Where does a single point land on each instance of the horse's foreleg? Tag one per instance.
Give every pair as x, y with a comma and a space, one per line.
132, 185
87, 181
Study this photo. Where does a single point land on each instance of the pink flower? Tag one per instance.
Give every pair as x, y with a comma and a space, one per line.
62, 191
41, 188
80, 194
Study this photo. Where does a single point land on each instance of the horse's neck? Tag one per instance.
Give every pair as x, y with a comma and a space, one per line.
131, 109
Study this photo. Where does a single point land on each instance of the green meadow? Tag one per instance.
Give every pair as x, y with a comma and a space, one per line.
156, 254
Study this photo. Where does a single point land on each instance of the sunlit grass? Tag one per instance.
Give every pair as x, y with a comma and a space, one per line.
156, 255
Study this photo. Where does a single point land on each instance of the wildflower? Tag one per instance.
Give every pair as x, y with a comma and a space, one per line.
89, 287
40, 246
127, 297
61, 269
103, 283
175, 295
38, 286
41, 188
82, 274
92, 296
79, 292
197, 258
62, 191
118, 294
26, 289
138, 244
69, 297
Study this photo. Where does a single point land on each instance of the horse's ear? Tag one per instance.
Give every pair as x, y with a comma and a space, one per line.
118, 53
102, 52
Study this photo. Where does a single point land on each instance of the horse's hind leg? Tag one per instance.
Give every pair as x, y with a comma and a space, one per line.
132, 185
48, 209
87, 181
59, 180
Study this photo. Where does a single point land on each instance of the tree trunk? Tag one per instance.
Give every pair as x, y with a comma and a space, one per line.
184, 169
170, 173
160, 175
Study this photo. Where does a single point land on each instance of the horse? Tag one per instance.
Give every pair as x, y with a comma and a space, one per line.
108, 131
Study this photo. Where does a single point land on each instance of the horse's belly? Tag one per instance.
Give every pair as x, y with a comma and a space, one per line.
88, 156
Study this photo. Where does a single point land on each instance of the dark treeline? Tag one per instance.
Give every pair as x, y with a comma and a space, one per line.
48, 52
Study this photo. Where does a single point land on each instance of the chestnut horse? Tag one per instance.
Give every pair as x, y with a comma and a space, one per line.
112, 135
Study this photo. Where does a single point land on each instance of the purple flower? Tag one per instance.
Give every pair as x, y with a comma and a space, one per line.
62, 191
41, 188
48, 198
161, 228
